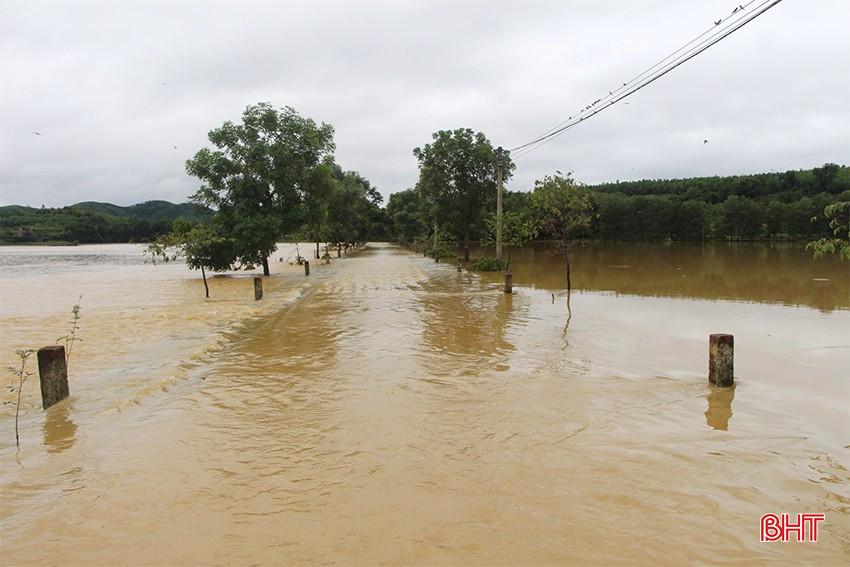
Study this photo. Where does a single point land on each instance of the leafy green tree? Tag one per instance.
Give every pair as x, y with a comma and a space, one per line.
688, 221
457, 176
774, 219
825, 176
562, 209
517, 229
798, 219
317, 195
838, 217
352, 208
201, 246
257, 175
406, 216
741, 218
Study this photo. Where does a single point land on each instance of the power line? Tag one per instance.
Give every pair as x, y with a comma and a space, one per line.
739, 10
642, 80
705, 44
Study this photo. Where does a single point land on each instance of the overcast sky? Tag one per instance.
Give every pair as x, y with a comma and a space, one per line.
113, 86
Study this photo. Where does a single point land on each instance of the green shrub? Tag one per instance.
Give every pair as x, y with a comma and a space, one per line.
487, 264
440, 251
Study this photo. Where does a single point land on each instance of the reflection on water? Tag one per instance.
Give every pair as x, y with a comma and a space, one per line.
719, 410
58, 429
388, 410
778, 273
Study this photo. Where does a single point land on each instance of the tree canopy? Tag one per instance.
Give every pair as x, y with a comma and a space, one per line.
258, 173
838, 217
457, 176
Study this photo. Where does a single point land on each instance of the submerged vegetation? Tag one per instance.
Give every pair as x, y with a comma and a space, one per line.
22, 374
487, 264
71, 337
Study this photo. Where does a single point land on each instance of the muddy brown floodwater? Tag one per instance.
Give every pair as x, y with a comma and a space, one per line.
390, 410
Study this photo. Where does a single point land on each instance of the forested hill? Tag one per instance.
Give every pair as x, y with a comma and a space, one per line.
785, 187
93, 222
742, 207
149, 210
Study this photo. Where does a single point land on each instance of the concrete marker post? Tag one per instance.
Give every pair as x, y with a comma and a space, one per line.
53, 375
721, 360
258, 289
306, 268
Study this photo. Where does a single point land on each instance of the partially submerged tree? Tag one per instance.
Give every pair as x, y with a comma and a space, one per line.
457, 176
257, 174
317, 194
838, 215
405, 216
517, 229
562, 210
351, 209
202, 247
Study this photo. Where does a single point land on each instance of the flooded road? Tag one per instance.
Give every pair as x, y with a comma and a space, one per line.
390, 410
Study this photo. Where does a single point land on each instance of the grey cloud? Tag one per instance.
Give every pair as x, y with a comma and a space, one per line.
88, 76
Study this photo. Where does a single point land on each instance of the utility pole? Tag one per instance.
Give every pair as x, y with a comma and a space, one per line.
499, 204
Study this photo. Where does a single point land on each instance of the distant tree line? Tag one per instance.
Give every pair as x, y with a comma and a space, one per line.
767, 206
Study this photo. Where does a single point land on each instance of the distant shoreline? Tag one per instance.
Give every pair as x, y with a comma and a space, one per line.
53, 243
59, 243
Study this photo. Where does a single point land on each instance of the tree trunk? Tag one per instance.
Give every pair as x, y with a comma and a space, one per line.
466, 245
317, 250
266, 271
569, 291
206, 286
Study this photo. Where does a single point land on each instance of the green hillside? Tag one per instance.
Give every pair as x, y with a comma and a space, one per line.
93, 222
150, 210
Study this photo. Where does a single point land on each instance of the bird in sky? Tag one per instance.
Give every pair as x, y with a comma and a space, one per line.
705, 142
717, 23
37, 133
164, 83
175, 147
